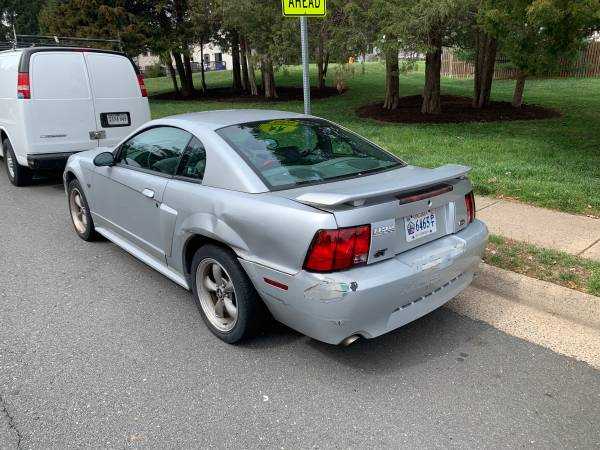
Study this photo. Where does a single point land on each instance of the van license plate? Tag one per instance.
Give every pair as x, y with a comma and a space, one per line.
116, 119
420, 225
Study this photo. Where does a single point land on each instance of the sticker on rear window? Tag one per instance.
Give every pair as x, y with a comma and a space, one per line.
279, 126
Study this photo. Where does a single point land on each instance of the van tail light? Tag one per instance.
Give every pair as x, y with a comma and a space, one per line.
470, 204
142, 85
339, 249
23, 87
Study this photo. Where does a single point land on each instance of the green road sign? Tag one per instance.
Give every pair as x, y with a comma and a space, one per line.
308, 8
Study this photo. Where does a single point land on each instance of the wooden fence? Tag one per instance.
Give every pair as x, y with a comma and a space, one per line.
586, 65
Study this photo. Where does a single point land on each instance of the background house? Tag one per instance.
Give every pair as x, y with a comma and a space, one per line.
214, 59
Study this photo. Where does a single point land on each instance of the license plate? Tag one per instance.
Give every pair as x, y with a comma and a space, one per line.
117, 119
420, 225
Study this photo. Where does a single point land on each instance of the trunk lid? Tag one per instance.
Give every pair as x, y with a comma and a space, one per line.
391, 201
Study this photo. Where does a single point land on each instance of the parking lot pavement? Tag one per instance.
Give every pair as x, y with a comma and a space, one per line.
97, 349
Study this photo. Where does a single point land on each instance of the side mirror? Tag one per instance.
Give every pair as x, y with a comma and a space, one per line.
104, 159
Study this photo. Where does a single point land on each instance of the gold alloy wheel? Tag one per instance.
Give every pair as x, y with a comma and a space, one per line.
216, 294
78, 211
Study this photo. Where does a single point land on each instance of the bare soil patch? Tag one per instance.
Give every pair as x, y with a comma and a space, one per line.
455, 109
284, 94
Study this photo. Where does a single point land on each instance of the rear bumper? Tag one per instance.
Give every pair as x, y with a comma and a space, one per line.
375, 299
48, 161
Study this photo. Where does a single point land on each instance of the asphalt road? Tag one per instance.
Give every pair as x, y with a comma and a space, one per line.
98, 350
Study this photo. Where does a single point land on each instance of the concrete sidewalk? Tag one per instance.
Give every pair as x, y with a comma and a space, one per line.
577, 235
563, 320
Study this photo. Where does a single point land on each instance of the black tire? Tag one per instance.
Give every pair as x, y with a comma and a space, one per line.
251, 311
88, 231
17, 174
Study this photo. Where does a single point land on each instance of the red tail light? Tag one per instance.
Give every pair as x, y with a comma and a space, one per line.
470, 204
339, 249
23, 87
142, 85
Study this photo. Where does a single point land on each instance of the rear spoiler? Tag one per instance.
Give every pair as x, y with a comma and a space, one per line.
413, 179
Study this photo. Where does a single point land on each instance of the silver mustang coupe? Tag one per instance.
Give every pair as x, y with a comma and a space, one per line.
268, 213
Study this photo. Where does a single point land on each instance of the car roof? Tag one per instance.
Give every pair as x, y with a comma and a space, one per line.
226, 117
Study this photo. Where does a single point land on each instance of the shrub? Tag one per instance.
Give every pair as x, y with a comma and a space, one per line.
154, 71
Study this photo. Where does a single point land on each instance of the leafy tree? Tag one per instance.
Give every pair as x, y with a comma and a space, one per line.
93, 19
388, 17
537, 34
474, 44
331, 37
167, 31
430, 26
22, 14
206, 20
274, 38
481, 48
420, 25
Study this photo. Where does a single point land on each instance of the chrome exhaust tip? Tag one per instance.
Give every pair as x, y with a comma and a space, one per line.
350, 340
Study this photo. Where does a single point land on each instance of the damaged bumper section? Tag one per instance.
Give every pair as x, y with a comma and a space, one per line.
375, 299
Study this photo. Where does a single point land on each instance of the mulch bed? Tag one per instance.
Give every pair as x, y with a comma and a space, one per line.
455, 109
284, 93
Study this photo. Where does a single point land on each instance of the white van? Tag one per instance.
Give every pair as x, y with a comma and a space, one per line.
56, 101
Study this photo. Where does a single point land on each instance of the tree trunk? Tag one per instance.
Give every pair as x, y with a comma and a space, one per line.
235, 57
519, 88
268, 77
244, 64
251, 75
392, 79
477, 63
485, 62
320, 50
202, 71
167, 60
189, 79
181, 71
432, 103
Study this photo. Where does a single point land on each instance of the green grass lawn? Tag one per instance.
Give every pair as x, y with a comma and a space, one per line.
552, 163
553, 266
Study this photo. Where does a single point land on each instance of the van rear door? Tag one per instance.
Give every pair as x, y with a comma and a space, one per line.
60, 114
118, 101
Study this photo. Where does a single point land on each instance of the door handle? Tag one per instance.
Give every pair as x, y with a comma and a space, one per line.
148, 193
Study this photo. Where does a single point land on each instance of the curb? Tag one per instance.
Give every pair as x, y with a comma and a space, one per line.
560, 301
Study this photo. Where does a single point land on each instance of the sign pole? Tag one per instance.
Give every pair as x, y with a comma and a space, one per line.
304, 9
305, 59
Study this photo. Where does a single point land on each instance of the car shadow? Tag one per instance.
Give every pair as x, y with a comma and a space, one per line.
47, 179
273, 335
51, 179
434, 336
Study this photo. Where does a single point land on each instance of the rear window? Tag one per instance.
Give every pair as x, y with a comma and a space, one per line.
58, 76
113, 76
294, 152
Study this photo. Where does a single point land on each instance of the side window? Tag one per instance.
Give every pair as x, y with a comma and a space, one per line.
157, 149
193, 161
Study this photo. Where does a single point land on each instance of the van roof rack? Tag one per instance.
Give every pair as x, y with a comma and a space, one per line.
31, 40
